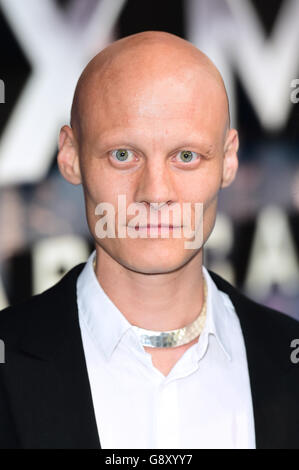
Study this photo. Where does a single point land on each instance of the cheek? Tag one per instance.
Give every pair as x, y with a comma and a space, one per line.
201, 187
209, 217
103, 185
101, 188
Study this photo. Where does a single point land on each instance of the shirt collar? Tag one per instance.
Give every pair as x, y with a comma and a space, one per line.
217, 322
107, 325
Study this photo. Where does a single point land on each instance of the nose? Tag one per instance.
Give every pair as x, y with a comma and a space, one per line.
156, 185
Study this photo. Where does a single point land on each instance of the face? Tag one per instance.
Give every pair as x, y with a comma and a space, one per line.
155, 141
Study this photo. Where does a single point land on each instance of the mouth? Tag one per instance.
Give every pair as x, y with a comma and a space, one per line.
159, 226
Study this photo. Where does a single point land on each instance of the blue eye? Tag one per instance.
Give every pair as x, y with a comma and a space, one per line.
187, 156
122, 155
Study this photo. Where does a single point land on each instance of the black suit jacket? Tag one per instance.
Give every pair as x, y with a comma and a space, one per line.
45, 396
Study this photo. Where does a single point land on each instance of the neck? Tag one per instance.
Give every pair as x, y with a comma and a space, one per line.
153, 301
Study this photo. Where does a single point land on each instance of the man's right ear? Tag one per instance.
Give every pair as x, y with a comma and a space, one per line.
68, 158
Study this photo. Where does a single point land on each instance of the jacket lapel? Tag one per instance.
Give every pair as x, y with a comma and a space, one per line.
47, 375
271, 375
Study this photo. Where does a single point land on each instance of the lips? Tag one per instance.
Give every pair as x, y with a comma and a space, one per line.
149, 226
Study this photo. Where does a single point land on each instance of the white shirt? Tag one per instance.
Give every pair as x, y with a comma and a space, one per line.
203, 403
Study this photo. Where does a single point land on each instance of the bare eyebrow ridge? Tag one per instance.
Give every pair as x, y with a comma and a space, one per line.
208, 148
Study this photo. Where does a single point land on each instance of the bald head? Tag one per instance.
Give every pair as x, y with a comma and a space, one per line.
144, 61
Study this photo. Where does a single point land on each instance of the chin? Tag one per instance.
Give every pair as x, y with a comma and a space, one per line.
155, 259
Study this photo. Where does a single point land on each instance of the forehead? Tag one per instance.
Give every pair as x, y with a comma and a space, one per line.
143, 101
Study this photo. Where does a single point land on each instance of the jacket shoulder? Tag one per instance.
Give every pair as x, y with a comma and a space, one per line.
255, 313
15, 318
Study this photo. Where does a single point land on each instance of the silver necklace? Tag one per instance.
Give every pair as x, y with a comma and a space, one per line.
172, 338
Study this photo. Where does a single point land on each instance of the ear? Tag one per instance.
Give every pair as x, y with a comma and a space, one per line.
230, 160
68, 158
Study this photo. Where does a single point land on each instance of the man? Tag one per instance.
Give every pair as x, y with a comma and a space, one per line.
142, 346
